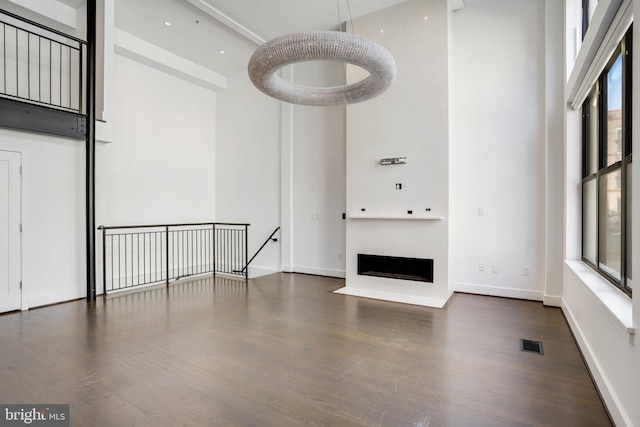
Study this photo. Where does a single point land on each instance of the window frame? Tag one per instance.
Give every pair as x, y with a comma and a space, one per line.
600, 92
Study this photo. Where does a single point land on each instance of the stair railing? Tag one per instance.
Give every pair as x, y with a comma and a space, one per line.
269, 239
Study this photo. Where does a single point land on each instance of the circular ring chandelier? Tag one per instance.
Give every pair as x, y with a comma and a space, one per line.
322, 46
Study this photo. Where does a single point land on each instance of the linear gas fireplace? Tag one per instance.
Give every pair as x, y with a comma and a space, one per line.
417, 269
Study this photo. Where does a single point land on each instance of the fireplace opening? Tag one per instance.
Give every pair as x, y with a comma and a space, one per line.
417, 269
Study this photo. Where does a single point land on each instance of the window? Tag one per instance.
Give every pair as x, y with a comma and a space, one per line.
588, 8
607, 169
585, 17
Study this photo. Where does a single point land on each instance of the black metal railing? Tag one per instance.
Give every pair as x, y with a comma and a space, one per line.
40, 65
269, 239
135, 255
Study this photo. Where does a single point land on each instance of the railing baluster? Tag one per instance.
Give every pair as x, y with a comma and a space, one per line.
185, 253
120, 261
127, 259
111, 240
17, 62
214, 249
28, 66
138, 255
69, 74
50, 71
4, 57
104, 260
144, 257
80, 86
155, 256
39, 69
167, 251
246, 251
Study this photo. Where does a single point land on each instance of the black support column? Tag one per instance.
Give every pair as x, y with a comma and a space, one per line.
91, 151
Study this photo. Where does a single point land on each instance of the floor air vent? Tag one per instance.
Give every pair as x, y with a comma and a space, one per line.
531, 346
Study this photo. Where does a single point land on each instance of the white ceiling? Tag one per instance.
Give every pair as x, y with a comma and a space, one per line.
201, 29
73, 3
197, 34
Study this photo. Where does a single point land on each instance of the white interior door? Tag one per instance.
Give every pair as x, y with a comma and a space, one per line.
10, 194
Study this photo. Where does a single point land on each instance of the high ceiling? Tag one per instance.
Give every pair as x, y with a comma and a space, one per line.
197, 33
220, 34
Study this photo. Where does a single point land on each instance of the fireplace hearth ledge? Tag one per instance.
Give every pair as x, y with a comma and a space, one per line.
394, 297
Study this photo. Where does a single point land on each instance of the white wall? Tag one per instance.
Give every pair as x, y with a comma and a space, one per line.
248, 167
554, 150
160, 166
410, 120
498, 149
283, 165
53, 237
612, 356
318, 177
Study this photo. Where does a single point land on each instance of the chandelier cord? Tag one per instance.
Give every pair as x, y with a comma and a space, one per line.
346, 24
346, 30
350, 17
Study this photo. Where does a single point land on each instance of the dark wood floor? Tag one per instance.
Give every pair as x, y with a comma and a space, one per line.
285, 351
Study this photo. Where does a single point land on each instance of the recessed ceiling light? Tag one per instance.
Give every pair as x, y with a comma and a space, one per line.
167, 23
221, 52
381, 30
426, 18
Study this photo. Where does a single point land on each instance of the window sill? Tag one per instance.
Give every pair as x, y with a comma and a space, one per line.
617, 304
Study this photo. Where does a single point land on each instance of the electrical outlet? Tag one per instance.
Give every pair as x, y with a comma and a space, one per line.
481, 211
526, 270
340, 256
481, 267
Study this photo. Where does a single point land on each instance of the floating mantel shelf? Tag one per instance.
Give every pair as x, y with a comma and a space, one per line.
364, 215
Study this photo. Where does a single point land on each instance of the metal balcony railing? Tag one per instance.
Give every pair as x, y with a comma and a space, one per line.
40, 65
135, 255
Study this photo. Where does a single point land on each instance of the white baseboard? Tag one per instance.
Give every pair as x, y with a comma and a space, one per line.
317, 271
55, 298
473, 288
261, 271
390, 296
552, 301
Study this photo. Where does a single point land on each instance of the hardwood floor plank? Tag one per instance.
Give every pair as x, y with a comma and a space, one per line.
283, 350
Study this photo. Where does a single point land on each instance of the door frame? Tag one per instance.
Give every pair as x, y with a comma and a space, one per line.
14, 159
